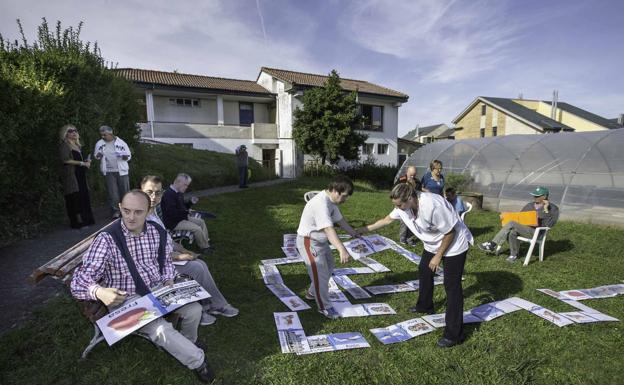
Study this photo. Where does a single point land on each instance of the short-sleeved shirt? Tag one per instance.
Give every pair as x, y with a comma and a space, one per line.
432, 185
320, 212
435, 218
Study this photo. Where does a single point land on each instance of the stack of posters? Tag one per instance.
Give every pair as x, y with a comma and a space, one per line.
290, 333
540, 311
333, 342
351, 287
402, 331
273, 281
138, 312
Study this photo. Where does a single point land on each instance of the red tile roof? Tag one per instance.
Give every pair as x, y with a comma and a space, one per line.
314, 80
192, 81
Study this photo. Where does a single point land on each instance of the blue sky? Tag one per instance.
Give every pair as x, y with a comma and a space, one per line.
441, 53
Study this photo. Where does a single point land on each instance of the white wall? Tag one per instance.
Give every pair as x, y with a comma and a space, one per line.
165, 112
514, 127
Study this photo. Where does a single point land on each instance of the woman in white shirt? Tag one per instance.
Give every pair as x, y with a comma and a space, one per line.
445, 238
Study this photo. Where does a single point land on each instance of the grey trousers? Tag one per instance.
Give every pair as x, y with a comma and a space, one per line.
198, 227
510, 232
198, 270
180, 344
404, 232
318, 259
116, 186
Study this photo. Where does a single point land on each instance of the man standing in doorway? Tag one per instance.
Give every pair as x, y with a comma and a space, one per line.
114, 155
242, 162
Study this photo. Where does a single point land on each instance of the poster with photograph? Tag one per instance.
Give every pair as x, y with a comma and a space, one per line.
334, 342
470, 318
377, 242
391, 334
579, 317
435, 320
388, 289
139, 311
271, 275
351, 287
288, 297
487, 312
577, 295
281, 261
540, 311
371, 263
290, 333
353, 271
416, 326
291, 252
359, 248
554, 294
347, 310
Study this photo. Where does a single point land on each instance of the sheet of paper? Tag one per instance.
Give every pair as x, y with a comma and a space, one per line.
487, 312
416, 327
335, 342
271, 275
471, 318
371, 263
387, 289
351, 287
347, 310
281, 261
391, 334
290, 333
435, 320
353, 271
180, 263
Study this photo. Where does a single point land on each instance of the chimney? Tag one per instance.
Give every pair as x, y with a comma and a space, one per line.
553, 108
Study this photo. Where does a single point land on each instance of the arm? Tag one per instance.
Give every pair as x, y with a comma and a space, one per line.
335, 241
548, 219
125, 150
377, 225
446, 242
347, 227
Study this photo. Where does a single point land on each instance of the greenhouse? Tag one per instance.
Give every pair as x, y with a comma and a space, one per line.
584, 171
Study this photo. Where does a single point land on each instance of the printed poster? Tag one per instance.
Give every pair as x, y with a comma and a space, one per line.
290, 333
335, 342
353, 271
351, 287
138, 312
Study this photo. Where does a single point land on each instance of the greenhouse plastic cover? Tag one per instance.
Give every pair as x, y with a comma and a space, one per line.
583, 171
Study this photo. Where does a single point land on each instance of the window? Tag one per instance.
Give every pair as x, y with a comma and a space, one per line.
184, 102
245, 113
483, 110
382, 149
373, 117
482, 133
494, 130
368, 148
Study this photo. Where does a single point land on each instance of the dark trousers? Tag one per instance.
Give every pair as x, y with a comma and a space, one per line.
242, 176
453, 270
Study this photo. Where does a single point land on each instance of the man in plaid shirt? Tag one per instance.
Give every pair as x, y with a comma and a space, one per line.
105, 276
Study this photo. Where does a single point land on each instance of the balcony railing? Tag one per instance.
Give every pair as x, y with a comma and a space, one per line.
263, 131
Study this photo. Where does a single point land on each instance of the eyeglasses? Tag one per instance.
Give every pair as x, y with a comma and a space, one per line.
71, 130
155, 193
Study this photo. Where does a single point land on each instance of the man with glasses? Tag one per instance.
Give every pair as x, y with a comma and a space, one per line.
433, 180
114, 155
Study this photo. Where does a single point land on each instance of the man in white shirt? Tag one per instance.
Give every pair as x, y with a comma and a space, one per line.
114, 155
315, 233
444, 236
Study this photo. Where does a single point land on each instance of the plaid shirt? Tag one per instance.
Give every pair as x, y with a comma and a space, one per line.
104, 266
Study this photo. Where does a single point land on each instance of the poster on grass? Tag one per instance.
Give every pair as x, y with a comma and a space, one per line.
138, 312
334, 342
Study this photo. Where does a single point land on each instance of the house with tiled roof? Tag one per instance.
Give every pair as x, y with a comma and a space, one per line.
220, 114
429, 134
490, 116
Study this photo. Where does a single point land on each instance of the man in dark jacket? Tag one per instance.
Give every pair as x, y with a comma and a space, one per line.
242, 163
547, 216
175, 212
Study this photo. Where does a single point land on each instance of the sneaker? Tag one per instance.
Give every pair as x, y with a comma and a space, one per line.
226, 311
205, 373
489, 247
330, 313
512, 259
309, 296
412, 242
207, 319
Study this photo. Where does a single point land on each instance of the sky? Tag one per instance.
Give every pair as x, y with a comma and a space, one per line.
442, 53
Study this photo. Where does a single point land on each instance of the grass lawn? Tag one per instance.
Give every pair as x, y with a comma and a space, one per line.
519, 348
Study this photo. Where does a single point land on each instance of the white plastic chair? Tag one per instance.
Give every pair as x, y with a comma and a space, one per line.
468, 207
309, 195
536, 239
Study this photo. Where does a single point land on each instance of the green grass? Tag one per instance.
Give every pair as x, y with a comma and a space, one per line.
519, 348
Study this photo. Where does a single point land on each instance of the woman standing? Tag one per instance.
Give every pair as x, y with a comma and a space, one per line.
445, 238
433, 180
74, 175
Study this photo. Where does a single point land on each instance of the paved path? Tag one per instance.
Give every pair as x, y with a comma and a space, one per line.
19, 298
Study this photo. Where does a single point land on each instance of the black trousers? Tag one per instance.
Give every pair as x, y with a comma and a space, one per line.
453, 271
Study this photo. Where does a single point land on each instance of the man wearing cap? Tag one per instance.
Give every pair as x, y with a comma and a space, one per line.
547, 216
242, 161
113, 154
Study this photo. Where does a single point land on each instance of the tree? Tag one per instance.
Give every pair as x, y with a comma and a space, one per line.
326, 124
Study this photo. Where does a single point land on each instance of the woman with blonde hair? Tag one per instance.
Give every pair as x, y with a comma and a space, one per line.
445, 239
74, 176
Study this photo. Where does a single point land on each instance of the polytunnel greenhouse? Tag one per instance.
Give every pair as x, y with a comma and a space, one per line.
584, 171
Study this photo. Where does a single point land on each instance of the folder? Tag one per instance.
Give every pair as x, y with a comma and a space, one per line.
527, 218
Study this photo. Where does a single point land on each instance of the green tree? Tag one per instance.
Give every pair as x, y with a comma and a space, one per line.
325, 126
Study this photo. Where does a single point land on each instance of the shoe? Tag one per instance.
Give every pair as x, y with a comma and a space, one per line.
330, 313
309, 296
511, 259
488, 247
415, 309
226, 311
446, 343
412, 242
205, 373
207, 319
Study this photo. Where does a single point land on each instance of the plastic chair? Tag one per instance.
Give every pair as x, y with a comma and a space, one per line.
536, 239
468, 207
309, 195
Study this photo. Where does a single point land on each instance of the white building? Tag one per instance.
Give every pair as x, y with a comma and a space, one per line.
220, 114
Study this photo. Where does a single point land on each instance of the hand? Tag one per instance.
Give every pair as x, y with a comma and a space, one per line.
185, 257
194, 200
99, 155
87, 164
362, 230
344, 256
168, 282
500, 216
111, 296
435, 262
125, 157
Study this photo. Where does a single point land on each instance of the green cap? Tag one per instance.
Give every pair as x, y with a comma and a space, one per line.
539, 191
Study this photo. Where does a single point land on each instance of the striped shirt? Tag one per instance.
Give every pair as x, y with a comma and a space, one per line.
104, 266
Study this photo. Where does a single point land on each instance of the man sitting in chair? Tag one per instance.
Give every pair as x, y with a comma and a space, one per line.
547, 216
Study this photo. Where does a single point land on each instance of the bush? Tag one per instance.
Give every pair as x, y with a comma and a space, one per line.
380, 176
56, 80
461, 182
